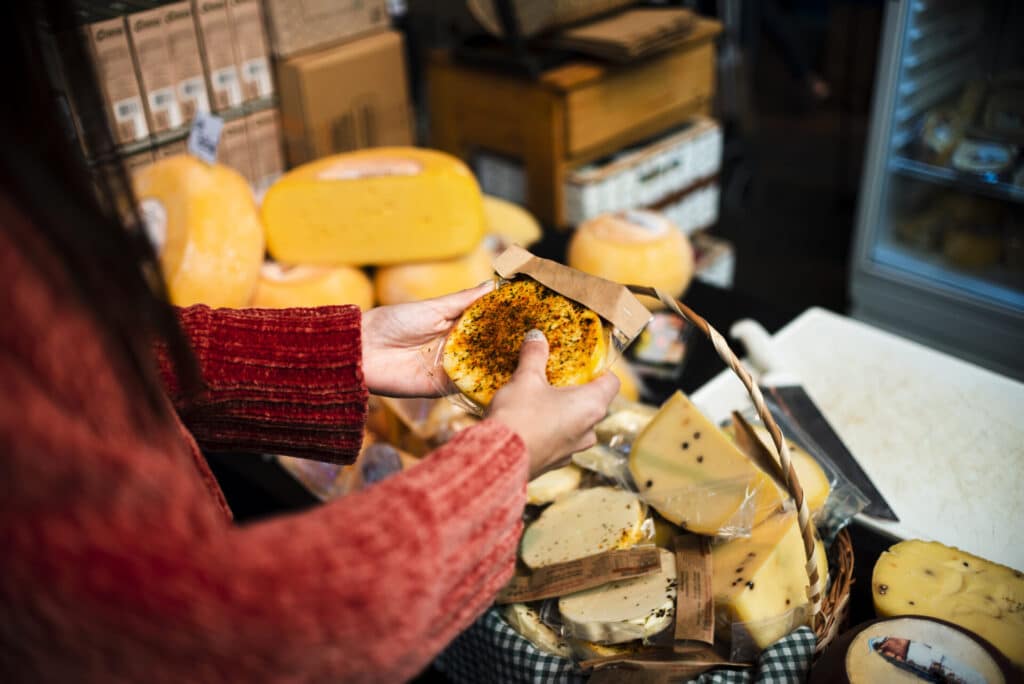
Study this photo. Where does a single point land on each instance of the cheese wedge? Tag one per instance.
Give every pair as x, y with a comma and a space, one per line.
634, 248
526, 620
603, 461
378, 206
416, 281
664, 532
512, 224
693, 474
282, 287
206, 230
623, 610
582, 524
625, 421
917, 577
482, 351
553, 484
812, 477
761, 581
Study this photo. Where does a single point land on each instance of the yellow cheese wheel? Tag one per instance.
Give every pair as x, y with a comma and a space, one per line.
377, 206
629, 381
512, 224
206, 229
282, 287
634, 248
425, 279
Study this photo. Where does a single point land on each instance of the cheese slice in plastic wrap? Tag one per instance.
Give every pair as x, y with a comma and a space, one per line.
695, 476
204, 225
378, 206
583, 524
282, 287
553, 484
527, 622
760, 582
624, 610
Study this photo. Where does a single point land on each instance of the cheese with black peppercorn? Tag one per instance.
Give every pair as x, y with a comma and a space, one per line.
694, 476
584, 523
624, 610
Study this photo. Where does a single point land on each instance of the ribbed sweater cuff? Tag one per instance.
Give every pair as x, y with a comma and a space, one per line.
277, 380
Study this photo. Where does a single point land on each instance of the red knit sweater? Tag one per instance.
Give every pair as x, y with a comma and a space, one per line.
120, 562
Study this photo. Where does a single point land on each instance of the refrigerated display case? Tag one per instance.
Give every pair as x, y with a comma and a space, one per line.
939, 249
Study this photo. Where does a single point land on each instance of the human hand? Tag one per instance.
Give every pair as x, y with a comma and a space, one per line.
393, 337
554, 422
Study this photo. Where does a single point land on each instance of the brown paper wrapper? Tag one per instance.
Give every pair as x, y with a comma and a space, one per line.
580, 574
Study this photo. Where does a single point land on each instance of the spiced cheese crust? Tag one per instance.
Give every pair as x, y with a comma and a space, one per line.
482, 351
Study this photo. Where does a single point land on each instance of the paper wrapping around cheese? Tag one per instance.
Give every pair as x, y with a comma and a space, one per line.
761, 581
917, 577
582, 524
378, 206
624, 610
282, 287
634, 248
421, 280
553, 484
204, 224
525, 620
510, 222
693, 475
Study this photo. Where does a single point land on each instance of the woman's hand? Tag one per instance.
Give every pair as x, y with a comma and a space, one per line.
392, 338
553, 421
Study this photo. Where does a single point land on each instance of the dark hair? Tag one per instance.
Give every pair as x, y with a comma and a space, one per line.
77, 232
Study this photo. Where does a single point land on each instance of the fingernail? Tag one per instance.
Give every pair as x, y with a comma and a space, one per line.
487, 285
535, 336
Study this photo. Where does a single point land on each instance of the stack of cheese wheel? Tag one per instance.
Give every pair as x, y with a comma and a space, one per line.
634, 248
205, 227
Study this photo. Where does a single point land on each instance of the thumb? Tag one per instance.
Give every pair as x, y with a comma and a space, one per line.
533, 355
451, 306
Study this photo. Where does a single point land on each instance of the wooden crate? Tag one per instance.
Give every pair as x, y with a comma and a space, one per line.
572, 114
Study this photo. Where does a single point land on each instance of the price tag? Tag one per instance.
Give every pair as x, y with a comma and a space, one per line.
205, 136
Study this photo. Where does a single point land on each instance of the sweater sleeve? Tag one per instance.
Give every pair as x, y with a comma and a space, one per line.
276, 380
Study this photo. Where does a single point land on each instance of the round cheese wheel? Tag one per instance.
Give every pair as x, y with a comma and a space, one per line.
206, 229
510, 222
634, 248
482, 351
911, 649
282, 287
629, 381
414, 282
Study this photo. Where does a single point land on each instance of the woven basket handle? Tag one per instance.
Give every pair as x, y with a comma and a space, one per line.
807, 529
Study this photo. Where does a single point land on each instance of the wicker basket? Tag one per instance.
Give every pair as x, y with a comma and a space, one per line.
828, 610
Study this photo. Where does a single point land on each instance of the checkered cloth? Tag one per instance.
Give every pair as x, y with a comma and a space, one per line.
491, 651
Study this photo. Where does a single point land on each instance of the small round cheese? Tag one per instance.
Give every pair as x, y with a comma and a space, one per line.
482, 351
634, 248
624, 610
583, 524
282, 287
417, 281
546, 488
527, 622
512, 224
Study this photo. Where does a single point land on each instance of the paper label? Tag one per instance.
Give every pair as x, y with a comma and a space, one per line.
154, 221
204, 137
584, 573
226, 87
256, 72
611, 301
695, 609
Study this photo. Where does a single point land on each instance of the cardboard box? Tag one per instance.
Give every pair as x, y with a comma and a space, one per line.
251, 53
344, 98
264, 133
183, 45
297, 27
213, 22
172, 148
112, 55
156, 70
233, 150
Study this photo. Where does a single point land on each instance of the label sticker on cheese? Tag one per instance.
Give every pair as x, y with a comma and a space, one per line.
580, 574
204, 137
154, 222
646, 220
371, 168
695, 610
